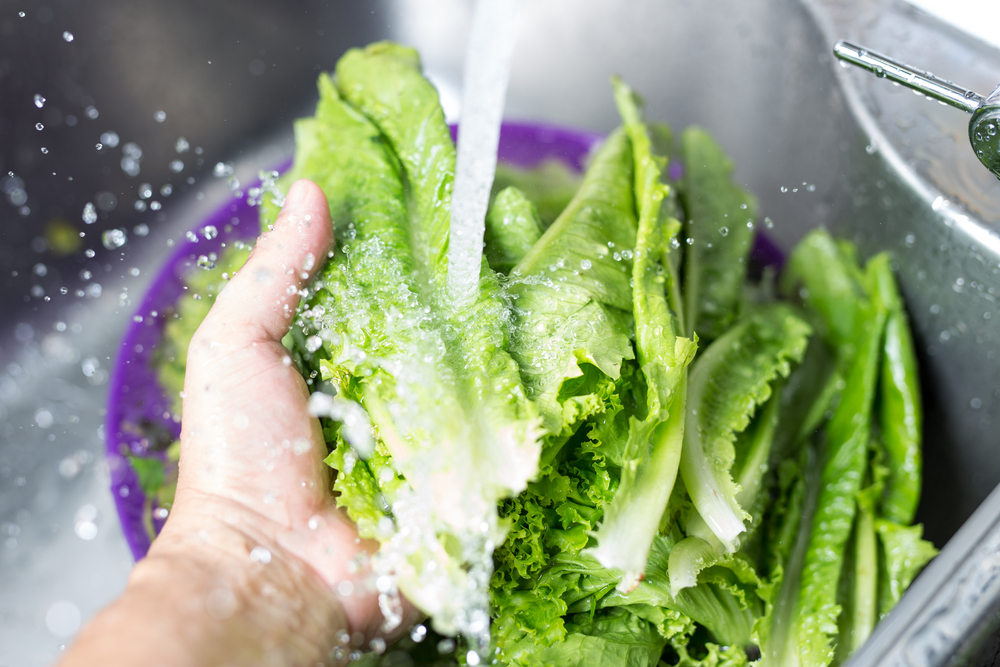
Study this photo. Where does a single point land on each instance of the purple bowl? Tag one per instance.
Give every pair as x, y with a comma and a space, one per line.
139, 413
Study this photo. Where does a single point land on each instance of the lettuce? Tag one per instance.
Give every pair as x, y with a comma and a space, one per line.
616, 453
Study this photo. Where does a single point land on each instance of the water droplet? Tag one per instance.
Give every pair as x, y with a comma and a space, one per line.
724, 231
39, 101
167, 190
89, 213
784, 189
91, 112
160, 116
177, 166
205, 263
975, 404
585, 264
991, 129
191, 236
45, 151
879, 72
141, 229
472, 658
313, 343
418, 634
113, 238
260, 555
222, 169
182, 145
40, 270
39, 127
68, 36
209, 232
154, 206
62, 618
871, 148
145, 191
110, 139
140, 205
89, 253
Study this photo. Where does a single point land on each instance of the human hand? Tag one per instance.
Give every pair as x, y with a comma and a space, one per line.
254, 564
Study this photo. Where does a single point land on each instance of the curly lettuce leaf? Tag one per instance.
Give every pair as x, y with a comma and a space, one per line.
903, 555
571, 291
728, 381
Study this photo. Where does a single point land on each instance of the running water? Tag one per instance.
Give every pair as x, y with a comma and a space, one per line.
487, 69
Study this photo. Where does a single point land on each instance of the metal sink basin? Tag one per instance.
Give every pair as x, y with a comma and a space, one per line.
818, 144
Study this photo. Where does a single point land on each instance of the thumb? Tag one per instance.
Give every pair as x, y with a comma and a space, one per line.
260, 301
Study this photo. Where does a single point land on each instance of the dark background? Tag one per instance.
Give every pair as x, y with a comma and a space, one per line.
224, 74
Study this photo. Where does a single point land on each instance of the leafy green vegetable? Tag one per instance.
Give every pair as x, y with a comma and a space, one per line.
728, 381
653, 448
720, 229
512, 227
518, 458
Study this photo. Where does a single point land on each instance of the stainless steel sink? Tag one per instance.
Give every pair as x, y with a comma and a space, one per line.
818, 144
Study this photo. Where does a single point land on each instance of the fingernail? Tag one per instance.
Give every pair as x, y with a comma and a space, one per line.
295, 194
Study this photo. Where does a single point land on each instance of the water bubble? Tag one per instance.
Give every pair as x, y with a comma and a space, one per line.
43, 418
106, 201
182, 145
110, 139
209, 232
39, 127
160, 116
176, 166
113, 238
89, 213
67, 36
91, 112
222, 169
260, 555
63, 618
39, 101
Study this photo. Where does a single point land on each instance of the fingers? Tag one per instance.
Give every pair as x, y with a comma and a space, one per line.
259, 303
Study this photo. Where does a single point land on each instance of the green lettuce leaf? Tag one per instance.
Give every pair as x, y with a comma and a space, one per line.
903, 555
728, 381
571, 291
512, 227
653, 448
720, 231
